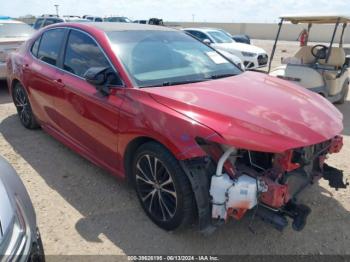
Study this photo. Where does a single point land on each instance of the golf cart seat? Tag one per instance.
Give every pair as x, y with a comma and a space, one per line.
333, 73
336, 59
304, 55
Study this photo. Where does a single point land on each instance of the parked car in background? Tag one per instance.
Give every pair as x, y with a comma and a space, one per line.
49, 20
196, 136
94, 18
140, 22
151, 21
234, 59
19, 236
12, 34
155, 21
245, 39
252, 56
119, 19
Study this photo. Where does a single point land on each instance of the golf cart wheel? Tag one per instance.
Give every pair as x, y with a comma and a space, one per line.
345, 91
24, 110
162, 187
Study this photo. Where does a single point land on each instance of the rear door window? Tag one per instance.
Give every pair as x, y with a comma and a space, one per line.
82, 53
50, 45
35, 47
50, 21
38, 23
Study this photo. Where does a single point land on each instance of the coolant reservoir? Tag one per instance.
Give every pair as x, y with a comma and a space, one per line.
228, 193
218, 190
243, 194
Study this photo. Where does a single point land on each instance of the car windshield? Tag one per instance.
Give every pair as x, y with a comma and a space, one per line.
158, 58
15, 30
220, 37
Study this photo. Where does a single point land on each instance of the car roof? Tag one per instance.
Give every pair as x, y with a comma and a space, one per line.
316, 18
113, 26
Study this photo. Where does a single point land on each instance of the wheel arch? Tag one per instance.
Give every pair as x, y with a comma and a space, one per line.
131, 147
12, 84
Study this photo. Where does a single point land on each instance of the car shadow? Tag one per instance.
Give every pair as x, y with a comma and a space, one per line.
4, 93
110, 207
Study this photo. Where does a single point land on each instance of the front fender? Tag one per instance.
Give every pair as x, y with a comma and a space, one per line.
142, 116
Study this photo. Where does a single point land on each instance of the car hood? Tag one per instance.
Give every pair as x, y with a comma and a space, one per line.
240, 47
255, 111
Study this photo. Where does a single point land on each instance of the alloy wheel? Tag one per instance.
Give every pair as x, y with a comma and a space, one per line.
156, 188
22, 105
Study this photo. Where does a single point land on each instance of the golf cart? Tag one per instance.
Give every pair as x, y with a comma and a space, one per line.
320, 68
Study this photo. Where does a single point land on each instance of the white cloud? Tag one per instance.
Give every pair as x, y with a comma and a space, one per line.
172, 10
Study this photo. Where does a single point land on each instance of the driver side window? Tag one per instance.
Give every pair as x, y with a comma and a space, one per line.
82, 53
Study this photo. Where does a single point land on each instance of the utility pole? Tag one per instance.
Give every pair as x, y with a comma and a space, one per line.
56, 6
193, 15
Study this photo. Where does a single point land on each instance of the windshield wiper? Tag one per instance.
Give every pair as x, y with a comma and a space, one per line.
220, 76
173, 83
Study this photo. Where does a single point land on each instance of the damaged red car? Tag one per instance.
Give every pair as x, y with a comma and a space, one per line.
199, 139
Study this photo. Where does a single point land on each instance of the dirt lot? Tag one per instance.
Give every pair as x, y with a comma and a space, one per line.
81, 209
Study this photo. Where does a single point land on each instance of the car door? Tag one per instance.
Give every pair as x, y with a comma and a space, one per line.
39, 74
88, 118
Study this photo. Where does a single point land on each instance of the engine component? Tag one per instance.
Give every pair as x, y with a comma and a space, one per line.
276, 195
228, 193
336, 144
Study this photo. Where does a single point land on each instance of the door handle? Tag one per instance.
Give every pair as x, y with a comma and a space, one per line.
59, 83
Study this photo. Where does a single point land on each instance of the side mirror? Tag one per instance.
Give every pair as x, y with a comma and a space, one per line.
95, 75
103, 78
207, 41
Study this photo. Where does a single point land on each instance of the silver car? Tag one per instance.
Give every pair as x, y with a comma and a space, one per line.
19, 237
12, 34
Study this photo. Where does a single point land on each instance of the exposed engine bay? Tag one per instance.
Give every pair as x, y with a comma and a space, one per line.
240, 180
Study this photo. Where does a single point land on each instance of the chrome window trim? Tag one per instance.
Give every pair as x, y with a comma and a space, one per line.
65, 71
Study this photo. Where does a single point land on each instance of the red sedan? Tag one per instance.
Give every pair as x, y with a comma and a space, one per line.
196, 136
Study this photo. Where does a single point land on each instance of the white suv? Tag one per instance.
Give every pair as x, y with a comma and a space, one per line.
252, 56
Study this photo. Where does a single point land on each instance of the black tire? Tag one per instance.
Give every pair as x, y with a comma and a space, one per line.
345, 91
24, 109
169, 201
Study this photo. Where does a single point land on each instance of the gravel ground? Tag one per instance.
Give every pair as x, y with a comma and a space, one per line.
81, 209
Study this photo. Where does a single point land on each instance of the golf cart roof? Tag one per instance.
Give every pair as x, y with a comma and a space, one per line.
316, 19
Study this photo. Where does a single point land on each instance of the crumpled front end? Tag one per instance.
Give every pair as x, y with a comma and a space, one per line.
267, 183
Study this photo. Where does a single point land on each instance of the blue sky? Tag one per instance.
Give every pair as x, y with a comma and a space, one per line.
178, 10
